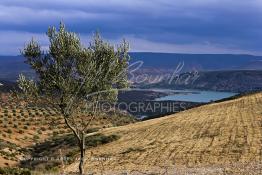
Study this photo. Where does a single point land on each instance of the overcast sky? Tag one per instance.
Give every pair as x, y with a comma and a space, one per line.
184, 26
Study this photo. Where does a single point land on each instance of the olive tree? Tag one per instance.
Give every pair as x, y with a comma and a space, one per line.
74, 78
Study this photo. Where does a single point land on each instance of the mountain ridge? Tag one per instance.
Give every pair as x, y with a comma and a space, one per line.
238, 81
11, 66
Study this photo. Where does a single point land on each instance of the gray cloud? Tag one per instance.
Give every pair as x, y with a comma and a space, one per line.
181, 26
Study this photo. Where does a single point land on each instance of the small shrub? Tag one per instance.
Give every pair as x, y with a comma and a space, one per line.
20, 131
133, 150
43, 128
92, 130
9, 131
55, 133
61, 132
99, 139
36, 137
51, 127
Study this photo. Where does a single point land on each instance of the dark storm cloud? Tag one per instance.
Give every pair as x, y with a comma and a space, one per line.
181, 26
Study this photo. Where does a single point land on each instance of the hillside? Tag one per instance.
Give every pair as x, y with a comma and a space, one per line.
154, 63
218, 138
7, 86
12, 66
231, 81
29, 131
202, 62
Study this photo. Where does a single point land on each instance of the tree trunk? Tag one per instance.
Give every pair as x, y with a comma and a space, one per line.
82, 155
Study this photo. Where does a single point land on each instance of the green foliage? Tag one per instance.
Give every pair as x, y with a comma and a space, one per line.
14, 171
69, 72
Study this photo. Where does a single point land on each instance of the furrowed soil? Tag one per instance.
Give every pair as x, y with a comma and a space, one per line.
218, 138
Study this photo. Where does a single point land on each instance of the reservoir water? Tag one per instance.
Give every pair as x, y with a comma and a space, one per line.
194, 95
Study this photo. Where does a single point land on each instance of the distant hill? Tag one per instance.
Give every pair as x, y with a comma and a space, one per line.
233, 81
253, 65
203, 62
6, 86
219, 138
11, 66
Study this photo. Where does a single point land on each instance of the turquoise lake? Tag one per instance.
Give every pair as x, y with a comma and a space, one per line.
194, 95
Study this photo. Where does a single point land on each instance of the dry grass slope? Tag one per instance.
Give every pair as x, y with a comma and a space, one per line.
211, 136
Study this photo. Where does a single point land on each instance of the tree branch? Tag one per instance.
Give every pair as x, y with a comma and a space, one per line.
73, 129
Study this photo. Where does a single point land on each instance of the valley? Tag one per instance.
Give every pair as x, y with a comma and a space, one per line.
211, 125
